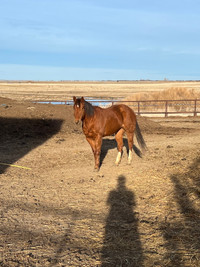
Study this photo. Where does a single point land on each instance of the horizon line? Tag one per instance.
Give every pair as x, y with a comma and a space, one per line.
102, 80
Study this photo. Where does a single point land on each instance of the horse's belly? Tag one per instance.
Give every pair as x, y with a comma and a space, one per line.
111, 128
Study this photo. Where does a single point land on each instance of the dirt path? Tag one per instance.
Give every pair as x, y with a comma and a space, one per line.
61, 213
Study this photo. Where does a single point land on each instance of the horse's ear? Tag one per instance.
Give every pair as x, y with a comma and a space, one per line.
82, 100
74, 98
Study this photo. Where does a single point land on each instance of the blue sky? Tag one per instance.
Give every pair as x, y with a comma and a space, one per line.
99, 39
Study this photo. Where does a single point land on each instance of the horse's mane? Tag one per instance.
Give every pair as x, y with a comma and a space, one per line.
89, 109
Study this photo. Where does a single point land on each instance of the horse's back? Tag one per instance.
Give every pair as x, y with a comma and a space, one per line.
117, 117
110, 120
125, 111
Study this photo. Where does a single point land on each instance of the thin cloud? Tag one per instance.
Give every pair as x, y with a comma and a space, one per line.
110, 35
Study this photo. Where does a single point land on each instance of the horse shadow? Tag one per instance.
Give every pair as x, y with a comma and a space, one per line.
109, 144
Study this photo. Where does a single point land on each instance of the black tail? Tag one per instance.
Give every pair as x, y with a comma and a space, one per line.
140, 138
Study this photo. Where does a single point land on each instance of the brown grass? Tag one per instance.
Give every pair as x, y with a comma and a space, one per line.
105, 90
173, 93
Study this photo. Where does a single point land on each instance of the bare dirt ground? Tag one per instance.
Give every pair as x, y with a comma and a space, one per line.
61, 213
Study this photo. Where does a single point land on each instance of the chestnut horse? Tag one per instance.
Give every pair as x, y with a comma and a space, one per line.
99, 122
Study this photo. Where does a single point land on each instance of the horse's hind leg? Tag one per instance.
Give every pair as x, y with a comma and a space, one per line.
119, 139
130, 146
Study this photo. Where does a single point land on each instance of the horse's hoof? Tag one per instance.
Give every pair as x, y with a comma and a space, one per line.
96, 169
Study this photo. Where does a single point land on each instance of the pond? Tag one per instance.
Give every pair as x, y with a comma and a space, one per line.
94, 102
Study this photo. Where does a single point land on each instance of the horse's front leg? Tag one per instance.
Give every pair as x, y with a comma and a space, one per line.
95, 144
97, 151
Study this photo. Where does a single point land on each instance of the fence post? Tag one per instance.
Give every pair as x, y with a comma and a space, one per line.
166, 109
138, 107
195, 108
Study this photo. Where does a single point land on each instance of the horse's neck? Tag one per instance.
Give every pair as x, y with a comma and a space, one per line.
87, 120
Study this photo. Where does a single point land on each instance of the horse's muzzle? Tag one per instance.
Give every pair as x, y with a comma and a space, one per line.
77, 121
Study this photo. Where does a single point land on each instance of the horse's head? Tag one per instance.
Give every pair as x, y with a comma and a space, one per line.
79, 110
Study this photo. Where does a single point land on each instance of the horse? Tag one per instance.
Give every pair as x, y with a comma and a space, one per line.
98, 122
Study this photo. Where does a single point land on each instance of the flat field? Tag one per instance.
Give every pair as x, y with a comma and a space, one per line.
55, 211
104, 90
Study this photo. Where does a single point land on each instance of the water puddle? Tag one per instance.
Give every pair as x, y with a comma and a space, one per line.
94, 102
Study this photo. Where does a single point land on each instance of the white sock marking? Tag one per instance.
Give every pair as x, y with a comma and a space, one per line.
130, 156
118, 159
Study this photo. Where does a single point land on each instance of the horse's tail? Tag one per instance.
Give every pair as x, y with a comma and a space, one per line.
140, 138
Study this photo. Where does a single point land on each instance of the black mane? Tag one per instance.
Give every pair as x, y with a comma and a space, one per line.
89, 109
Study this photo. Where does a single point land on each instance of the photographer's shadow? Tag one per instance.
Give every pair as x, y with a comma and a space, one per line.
122, 245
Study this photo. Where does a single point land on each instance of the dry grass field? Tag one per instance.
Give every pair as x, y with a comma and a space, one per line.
58, 212
105, 90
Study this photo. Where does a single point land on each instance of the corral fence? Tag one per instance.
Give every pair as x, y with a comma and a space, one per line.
147, 107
